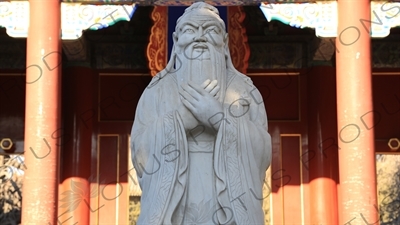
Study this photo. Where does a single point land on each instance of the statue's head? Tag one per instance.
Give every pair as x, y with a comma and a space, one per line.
199, 29
200, 50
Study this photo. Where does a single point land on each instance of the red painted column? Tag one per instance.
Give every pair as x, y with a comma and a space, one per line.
42, 114
357, 189
322, 145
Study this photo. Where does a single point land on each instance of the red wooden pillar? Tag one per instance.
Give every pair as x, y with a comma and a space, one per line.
322, 145
357, 189
42, 113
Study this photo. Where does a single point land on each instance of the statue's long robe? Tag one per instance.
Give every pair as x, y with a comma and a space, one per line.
242, 153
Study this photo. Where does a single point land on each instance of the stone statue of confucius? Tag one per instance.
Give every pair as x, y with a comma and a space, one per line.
200, 142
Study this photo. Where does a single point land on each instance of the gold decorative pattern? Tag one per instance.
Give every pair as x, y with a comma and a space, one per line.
238, 46
157, 48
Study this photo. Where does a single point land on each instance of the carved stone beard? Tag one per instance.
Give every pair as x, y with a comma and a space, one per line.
198, 66
200, 70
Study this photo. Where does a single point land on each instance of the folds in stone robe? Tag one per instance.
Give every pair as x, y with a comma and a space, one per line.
160, 154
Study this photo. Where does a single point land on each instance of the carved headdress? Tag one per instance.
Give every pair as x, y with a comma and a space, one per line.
201, 8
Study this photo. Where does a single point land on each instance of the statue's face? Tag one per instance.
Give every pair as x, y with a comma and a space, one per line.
197, 33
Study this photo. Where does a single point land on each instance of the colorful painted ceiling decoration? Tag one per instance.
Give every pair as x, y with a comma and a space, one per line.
75, 17
322, 16
188, 2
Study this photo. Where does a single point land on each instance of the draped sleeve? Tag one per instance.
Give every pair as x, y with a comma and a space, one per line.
242, 156
159, 154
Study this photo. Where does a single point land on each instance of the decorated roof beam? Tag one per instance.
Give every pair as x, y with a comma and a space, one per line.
322, 16
189, 2
75, 17
186, 2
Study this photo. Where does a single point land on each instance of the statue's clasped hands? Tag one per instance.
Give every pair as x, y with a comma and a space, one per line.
201, 101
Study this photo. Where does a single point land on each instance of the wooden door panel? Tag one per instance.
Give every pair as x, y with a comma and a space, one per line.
285, 102
112, 180
289, 182
292, 194
117, 97
280, 93
107, 156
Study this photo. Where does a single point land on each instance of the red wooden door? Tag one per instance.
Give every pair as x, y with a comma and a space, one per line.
301, 182
117, 97
287, 178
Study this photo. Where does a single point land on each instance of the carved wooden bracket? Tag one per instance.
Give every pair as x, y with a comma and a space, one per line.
238, 45
157, 48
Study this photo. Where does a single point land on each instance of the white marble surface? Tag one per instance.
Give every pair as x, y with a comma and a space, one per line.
200, 142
